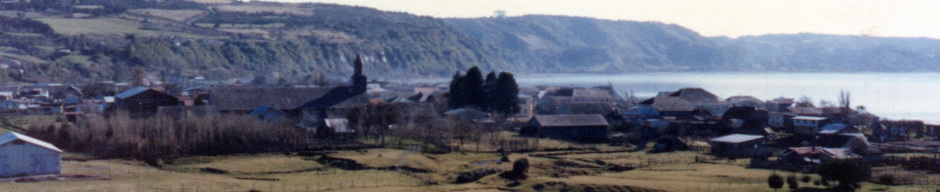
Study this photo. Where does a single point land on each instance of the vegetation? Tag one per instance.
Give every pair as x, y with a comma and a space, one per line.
775, 181
495, 94
847, 172
296, 40
163, 137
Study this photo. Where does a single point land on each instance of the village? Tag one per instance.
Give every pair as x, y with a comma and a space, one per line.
59, 133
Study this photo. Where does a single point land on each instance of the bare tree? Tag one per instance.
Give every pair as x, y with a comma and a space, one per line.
804, 101
845, 99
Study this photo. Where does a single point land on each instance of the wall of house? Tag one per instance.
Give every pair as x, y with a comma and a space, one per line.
580, 134
18, 158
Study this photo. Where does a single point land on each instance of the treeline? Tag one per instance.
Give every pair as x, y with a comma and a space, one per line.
493, 94
162, 137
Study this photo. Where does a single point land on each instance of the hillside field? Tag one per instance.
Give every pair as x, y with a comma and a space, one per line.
425, 172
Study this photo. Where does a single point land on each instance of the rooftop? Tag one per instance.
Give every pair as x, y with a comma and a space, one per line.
570, 120
13, 136
736, 138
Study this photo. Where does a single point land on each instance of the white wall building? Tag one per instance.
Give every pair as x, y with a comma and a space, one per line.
21, 155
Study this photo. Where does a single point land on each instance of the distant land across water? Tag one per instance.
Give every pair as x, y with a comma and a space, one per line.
889, 95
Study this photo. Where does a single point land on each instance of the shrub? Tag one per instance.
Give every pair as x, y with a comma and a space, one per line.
792, 182
775, 181
887, 179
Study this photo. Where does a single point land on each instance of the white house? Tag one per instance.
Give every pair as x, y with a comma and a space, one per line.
21, 155
808, 124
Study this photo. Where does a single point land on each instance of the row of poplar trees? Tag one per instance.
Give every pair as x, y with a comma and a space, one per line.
493, 94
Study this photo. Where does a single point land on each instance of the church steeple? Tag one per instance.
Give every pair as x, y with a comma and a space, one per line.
357, 65
358, 79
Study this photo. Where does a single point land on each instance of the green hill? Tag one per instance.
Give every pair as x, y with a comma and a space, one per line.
105, 39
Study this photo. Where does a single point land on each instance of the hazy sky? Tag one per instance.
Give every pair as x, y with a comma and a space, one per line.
732, 18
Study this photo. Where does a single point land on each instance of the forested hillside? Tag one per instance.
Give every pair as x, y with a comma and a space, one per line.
176, 39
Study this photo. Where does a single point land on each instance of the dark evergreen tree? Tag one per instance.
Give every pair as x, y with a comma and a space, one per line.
489, 92
848, 172
473, 87
507, 91
456, 96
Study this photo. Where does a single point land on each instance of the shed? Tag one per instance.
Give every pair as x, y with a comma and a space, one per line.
143, 100
21, 155
737, 145
581, 128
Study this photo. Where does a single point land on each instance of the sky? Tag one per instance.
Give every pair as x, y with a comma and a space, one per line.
731, 18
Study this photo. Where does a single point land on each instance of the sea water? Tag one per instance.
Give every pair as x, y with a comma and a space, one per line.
889, 95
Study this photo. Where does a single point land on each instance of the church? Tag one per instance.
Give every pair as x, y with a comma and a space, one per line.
294, 101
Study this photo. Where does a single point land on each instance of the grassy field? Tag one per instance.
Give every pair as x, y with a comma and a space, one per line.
175, 15
104, 26
266, 8
584, 168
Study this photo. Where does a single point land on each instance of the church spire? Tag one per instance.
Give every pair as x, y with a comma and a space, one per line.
357, 65
358, 79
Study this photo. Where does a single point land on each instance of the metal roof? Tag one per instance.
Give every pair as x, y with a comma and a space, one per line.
571, 120
811, 118
13, 136
736, 138
131, 92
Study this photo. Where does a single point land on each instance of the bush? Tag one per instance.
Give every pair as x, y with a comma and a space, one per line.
887, 179
805, 179
518, 171
792, 182
775, 181
848, 172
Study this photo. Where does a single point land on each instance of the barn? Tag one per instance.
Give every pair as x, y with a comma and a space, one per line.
21, 155
580, 128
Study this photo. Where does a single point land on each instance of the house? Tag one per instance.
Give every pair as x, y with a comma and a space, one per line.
12, 106
798, 158
331, 101
745, 101
890, 131
21, 155
751, 118
854, 141
779, 104
739, 145
580, 128
808, 124
526, 105
780, 120
805, 111
838, 128
681, 103
932, 129
576, 101
837, 114
143, 101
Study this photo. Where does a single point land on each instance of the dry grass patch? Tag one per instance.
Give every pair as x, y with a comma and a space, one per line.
175, 15
258, 8
254, 164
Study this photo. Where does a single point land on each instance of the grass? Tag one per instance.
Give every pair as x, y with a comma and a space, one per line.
266, 8
175, 15
26, 58
104, 26
294, 173
249, 164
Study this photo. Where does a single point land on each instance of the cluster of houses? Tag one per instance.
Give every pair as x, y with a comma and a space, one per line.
740, 126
